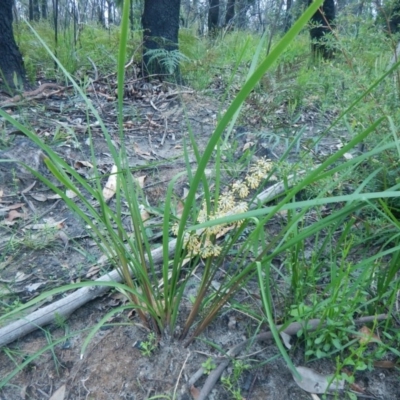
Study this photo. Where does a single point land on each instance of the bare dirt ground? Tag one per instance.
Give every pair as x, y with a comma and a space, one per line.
35, 259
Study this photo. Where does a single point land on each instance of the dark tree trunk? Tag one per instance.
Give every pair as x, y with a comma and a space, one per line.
230, 12
213, 16
394, 18
322, 22
12, 72
30, 9
35, 10
288, 15
242, 7
110, 11
160, 21
55, 19
45, 13
100, 13
187, 13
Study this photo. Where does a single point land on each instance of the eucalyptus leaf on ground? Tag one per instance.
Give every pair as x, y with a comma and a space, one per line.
314, 382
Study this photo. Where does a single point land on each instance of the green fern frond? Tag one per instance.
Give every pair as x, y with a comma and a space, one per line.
170, 59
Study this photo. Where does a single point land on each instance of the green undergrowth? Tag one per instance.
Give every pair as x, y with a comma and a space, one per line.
74, 49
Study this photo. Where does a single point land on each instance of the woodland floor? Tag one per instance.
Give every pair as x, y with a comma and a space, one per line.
156, 118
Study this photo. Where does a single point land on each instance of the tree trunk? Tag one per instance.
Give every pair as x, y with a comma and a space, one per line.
288, 15
12, 70
35, 10
230, 12
394, 18
100, 13
30, 10
160, 21
213, 16
322, 22
109, 11
45, 12
55, 19
187, 13
242, 7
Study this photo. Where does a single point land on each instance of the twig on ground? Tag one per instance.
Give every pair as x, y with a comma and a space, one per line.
65, 306
38, 217
30, 94
165, 132
96, 72
180, 374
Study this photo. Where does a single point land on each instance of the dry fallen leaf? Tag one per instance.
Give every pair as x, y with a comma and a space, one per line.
14, 215
111, 185
40, 196
6, 262
49, 223
367, 336
63, 236
382, 363
94, 270
194, 392
15, 206
59, 394
313, 382
286, 339
33, 286
357, 388
69, 193
232, 324
29, 188
185, 193
347, 156
247, 145
80, 164
144, 154
20, 276
179, 208
140, 180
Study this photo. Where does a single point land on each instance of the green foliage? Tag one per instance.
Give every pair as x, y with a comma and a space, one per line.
169, 59
231, 382
208, 365
90, 42
148, 346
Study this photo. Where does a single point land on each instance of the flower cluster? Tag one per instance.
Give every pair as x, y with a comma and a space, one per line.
203, 243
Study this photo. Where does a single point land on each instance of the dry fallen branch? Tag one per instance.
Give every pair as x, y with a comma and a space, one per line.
31, 94
70, 303
66, 305
291, 330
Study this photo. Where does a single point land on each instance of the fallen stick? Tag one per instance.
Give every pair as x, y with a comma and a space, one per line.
64, 307
29, 95
291, 330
